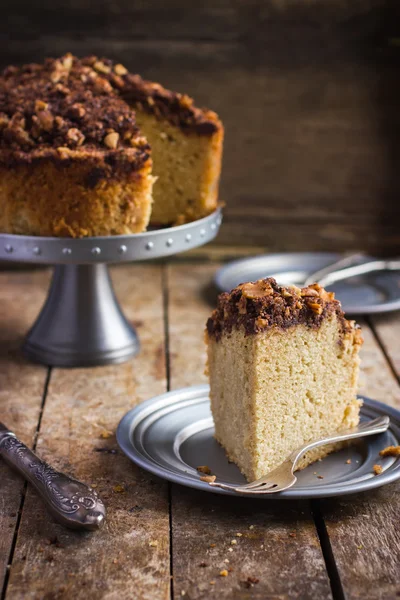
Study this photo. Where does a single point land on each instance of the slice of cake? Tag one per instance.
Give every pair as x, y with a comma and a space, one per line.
283, 366
76, 143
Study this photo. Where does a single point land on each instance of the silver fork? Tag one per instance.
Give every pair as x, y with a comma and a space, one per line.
283, 476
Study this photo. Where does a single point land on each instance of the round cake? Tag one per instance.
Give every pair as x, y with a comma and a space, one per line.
82, 142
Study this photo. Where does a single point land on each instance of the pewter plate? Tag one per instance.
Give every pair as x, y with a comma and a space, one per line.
172, 434
371, 293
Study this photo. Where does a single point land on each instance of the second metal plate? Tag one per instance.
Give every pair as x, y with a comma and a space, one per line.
367, 294
172, 434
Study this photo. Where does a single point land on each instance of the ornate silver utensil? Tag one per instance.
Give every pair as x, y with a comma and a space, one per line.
71, 502
283, 476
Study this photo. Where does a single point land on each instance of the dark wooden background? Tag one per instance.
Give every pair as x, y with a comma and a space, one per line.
308, 90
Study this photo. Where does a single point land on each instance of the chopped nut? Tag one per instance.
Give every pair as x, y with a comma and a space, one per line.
102, 86
67, 61
101, 67
315, 307
233, 542
77, 111
251, 526
212, 582
308, 291
208, 478
76, 137
163, 135
261, 323
153, 543
64, 152
105, 435
118, 489
40, 105
111, 140
223, 573
212, 545
62, 89
239, 534
320, 476
230, 549
45, 120
150, 101
293, 534
286, 294
378, 469
120, 69
185, 101
204, 469
390, 451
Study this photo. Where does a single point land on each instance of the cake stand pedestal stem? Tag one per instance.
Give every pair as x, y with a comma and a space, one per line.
81, 322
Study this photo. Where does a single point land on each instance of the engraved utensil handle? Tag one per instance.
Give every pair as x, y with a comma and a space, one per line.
72, 503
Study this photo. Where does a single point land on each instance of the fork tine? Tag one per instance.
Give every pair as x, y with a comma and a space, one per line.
233, 488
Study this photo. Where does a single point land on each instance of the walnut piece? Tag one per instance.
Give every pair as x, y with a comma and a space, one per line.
75, 136
120, 70
111, 140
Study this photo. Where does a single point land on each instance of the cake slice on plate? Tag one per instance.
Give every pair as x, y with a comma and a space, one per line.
283, 366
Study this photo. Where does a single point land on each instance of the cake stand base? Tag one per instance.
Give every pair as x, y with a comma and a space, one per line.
81, 323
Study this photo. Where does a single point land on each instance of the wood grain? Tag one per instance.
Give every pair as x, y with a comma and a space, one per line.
21, 388
129, 557
308, 92
387, 328
363, 528
203, 525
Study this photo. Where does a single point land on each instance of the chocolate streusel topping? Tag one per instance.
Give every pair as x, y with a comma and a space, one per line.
66, 109
264, 304
71, 108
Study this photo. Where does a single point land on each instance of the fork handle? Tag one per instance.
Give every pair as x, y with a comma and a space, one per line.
378, 425
71, 502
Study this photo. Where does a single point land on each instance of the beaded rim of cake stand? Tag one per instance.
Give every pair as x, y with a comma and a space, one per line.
109, 249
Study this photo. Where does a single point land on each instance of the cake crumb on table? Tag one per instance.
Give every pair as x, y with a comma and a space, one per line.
348, 461
390, 451
377, 469
223, 573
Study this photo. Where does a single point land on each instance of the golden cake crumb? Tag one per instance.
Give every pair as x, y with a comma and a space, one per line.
390, 451
208, 478
378, 469
223, 573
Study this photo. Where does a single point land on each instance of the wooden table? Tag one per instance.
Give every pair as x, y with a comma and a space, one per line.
161, 540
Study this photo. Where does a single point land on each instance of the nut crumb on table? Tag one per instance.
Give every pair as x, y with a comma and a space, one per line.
204, 469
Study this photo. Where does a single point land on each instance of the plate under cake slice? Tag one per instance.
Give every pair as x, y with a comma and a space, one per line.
82, 142
283, 366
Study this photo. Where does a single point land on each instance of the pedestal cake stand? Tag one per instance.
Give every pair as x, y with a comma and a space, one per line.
81, 322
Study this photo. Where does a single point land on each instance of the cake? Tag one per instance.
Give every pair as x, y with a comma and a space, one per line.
283, 367
83, 142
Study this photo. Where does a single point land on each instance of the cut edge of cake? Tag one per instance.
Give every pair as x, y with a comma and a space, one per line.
283, 367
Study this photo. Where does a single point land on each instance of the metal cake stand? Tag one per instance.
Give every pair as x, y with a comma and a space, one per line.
81, 322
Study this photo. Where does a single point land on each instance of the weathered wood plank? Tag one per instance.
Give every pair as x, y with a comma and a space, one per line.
21, 387
203, 525
129, 557
363, 528
387, 328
